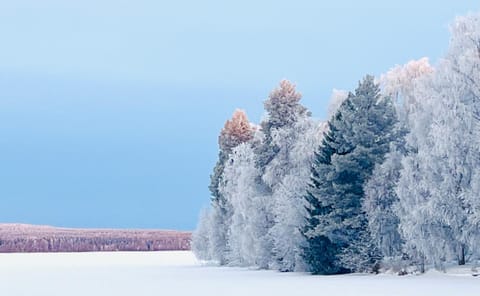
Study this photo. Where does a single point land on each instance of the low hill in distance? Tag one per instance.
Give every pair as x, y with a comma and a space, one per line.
32, 238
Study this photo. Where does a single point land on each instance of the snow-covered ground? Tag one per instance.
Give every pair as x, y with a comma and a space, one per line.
178, 273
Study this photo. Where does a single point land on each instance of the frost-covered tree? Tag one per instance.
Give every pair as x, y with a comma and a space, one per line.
297, 145
443, 154
247, 232
358, 138
201, 237
281, 158
380, 201
283, 110
463, 59
400, 83
236, 131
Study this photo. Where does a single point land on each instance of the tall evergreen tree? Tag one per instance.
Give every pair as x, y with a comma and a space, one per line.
283, 110
236, 131
287, 121
358, 138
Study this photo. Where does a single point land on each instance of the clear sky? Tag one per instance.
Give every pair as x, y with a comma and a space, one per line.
110, 110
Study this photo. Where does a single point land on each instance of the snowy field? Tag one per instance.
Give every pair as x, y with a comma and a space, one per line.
178, 273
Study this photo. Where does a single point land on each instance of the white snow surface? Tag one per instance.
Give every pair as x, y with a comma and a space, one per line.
179, 273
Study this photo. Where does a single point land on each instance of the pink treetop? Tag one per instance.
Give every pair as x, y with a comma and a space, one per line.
283, 105
400, 81
236, 131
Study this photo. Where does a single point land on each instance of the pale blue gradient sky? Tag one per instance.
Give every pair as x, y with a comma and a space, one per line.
110, 110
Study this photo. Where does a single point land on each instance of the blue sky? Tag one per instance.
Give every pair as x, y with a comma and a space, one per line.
110, 110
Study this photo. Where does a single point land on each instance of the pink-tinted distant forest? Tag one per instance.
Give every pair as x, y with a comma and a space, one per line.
30, 238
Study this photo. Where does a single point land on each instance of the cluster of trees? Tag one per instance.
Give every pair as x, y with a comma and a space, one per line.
29, 238
391, 181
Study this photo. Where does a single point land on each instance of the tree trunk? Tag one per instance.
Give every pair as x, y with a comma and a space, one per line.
461, 257
422, 264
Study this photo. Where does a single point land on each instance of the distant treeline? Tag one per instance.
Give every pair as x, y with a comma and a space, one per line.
26, 238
